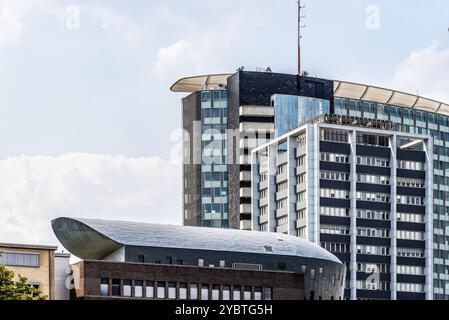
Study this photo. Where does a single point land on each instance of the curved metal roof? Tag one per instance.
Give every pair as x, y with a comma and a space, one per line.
94, 239
386, 96
198, 83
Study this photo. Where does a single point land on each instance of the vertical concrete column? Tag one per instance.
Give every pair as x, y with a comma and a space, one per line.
393, 217
255, 193
353, 214
272, 156
292, 144
429, 219
313, 182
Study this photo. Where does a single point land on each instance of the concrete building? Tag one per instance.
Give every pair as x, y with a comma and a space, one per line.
257, 99
137, 260
364, 194
37, 264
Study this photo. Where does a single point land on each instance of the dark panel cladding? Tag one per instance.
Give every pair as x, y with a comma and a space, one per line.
338, 203
369, 187
374, 170
335, 220
335, 238
411, 244
374, 241
333, 166
333, 147
411, 174
191, 112
335, 184
385, 224
410, 226
373, 258
411, 209
410, 296
374, 294
373, 151
411, 191
374, 205
409, 278
411, 261
411, 155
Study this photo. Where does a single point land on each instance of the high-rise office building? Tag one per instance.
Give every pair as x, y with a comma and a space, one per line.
256, 99
362, 191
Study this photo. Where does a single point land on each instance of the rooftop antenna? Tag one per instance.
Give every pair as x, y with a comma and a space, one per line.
300, 26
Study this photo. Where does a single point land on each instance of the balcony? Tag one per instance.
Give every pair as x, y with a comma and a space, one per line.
256, 111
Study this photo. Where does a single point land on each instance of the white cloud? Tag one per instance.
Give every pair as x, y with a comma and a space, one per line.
12, 13
425, 71
35, 190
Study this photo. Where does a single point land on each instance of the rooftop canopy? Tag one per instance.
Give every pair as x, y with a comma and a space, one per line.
386, 96
95, 239
198, 83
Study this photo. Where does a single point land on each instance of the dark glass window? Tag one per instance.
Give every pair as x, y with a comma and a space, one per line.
116, 288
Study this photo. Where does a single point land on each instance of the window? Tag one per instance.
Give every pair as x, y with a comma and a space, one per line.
149, 289
172, 290
116, 288
410, 182
334, 193
373, 214
373, 179
334, 212
411, 270
204, 292
373, 232
373, 161
247, 293
216, 292
372, 140
312, 274
410, 253
411, 200
182, 291
20, 259
257, 293
334, 157
141, 259
410, 165
127, 287
138, 289
104, 287
334, 175
334, 135
236, 293
410, 217
193, 292
267, 293
410, 235
160, 290
373, 250
410, 287
226, 293
334, 229
373, 197
200, 262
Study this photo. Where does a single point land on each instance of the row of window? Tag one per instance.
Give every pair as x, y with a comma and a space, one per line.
334, 229
373, 197
334, 175
410, 165
411, 235
335, 247
282, 221
334, 157
375, 250
373, 233
413, 270
410, 182
182, 291
374, 179
334, 193
373, 140
334, 212
410, 217
410, 253
334, 135
373, 285
373, 161
14, 259
411, 200
373, 214
282, 186
373, 267
410, 287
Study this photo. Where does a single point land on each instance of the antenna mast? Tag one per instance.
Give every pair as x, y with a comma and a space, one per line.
300, 26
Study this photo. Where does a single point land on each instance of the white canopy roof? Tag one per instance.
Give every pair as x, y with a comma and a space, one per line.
198, 83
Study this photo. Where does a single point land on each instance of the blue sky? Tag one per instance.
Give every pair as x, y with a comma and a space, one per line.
74, 98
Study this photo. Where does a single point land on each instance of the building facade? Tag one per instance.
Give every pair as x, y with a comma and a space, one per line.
175, 255
37, 264
362, 193
255, 100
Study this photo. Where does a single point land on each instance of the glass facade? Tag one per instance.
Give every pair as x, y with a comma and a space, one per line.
214, 171
420, 122
291, 111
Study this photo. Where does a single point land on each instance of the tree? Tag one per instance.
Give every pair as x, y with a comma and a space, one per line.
17, 290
